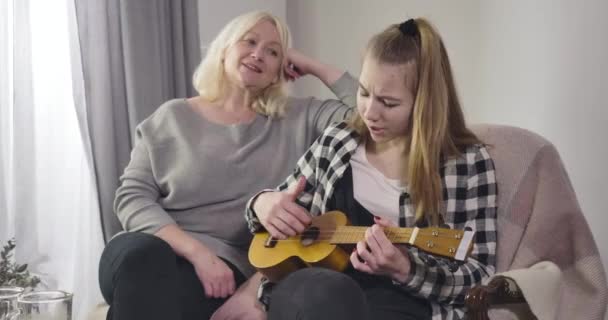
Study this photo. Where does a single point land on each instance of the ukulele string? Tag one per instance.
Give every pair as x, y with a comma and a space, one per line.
329, 236
405, 234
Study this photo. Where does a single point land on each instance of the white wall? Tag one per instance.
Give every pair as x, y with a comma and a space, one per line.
337, 31
544, 66
213, 14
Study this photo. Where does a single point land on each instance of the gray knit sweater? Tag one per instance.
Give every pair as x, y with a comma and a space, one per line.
198, 174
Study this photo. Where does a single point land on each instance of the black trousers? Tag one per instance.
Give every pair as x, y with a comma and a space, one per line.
319, 294
141, 277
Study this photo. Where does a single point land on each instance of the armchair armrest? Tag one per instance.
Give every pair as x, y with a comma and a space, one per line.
500, 290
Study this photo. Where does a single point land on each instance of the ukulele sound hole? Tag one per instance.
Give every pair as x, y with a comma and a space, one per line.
309, 236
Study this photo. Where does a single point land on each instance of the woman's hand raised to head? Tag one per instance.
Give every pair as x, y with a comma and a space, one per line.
299, 64
280, 214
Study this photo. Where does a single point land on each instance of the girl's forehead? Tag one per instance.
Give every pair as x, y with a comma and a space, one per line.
372, 68
382, 77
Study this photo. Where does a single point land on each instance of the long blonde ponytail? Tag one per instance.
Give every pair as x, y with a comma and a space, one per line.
437, 128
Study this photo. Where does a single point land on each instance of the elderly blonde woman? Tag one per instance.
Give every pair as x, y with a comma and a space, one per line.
195, 164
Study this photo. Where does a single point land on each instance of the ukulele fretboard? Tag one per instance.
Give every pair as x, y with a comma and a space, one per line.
352, 235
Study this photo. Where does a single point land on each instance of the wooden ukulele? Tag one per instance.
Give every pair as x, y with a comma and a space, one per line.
319, 245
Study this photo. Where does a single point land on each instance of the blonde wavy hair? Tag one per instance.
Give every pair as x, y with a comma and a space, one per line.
436, 128
210, 79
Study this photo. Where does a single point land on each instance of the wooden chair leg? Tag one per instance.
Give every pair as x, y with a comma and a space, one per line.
500, 290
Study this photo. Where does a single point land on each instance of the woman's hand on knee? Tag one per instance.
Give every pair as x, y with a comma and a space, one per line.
280, 214
243, 305
217, 278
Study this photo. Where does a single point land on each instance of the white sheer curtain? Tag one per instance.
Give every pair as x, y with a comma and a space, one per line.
48, 199
6, 87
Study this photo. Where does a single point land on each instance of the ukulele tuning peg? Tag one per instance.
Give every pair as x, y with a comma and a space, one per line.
468, 229
445, 226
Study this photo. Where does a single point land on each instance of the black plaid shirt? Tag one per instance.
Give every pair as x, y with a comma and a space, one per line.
469, 190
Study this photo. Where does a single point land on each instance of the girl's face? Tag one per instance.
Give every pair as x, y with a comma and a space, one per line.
384, 101
254, 61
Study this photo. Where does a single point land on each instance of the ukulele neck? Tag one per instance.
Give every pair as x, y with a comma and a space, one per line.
352, 235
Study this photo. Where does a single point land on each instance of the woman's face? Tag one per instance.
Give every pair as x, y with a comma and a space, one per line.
384, 102
254, 62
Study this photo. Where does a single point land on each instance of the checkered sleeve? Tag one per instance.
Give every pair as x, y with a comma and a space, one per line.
474, 207
305, 167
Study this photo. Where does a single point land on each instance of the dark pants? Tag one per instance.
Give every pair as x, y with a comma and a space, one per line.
314, 293
141, 277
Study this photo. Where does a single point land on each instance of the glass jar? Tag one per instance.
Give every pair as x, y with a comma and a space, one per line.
43, 305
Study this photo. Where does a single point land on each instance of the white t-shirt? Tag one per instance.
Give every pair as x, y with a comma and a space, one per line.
375, 192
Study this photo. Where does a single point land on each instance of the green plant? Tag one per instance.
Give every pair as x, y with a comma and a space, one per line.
13, 274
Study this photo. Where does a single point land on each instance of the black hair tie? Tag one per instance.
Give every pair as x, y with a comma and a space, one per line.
409, 28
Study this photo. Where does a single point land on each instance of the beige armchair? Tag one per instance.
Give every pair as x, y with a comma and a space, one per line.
548, 265
544, 243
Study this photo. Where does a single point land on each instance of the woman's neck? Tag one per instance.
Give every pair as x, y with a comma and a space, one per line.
238, 99
235, 107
